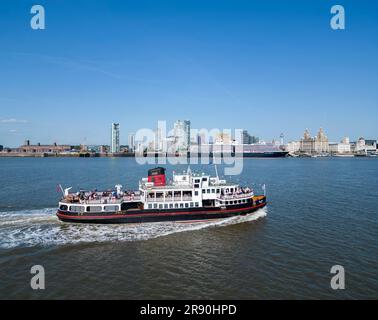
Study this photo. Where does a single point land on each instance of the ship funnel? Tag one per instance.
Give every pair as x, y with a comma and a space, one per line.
157, 176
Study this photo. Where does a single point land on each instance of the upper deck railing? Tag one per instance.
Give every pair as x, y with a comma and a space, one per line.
236, 196
104, 200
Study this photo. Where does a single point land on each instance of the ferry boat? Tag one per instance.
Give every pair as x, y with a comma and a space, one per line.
187, 197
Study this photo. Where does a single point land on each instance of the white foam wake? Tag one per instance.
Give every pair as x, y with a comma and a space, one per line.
42, 228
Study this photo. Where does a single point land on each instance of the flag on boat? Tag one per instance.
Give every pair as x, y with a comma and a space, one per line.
59, 188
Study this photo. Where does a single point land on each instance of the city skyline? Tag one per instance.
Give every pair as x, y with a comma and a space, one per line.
185, 136
258, 65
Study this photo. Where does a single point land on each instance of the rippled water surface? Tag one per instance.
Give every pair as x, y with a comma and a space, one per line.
321, 212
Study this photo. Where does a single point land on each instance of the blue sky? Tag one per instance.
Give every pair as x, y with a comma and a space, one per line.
265, 66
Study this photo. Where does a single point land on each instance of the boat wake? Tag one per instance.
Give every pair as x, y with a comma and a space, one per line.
42, 228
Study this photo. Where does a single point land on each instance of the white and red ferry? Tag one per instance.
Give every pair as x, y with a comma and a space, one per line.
188, 197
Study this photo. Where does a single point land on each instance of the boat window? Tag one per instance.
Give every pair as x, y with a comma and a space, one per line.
196, 185
177, 194
63, 207
196, 193
176, 205
77, 208
227, 202
186, 205
110, 208
218, 190
95, 209
181, 205
166, 206
171, 205
155, 205
204, 179
191, 204
197, 204
197, 181
187, 193
150, 206
203, 190
212, 190
160, 206
208, 190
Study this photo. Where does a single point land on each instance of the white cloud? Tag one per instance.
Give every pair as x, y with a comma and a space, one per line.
13, 120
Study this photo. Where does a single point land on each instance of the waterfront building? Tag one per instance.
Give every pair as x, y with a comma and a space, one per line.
342, 147
223, 138
131, 142
364, 146
371, 145
181, 131
359, 145
245, 137
318, 144
158, 140
307, 143
321, 142
115, 141
104, 149
115, 146
293, 146
249, 139
39, 148
1, 148
83, 148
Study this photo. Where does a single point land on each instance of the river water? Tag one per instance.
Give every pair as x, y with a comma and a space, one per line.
321, 212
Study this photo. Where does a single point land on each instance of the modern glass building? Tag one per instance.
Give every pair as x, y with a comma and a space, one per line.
115, 138
182, 134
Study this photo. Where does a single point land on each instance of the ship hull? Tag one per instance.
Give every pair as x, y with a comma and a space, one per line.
148, 216
277, 154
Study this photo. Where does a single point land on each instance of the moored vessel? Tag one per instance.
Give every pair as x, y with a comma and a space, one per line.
187, 197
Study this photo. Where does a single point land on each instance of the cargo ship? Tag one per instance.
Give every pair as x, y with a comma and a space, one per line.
187, 197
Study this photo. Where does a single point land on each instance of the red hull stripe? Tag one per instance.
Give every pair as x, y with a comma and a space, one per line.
157, 213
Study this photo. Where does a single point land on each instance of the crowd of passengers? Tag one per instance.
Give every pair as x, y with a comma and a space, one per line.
103, 196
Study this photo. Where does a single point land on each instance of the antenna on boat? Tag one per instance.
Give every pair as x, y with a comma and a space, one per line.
264, 188
216, 171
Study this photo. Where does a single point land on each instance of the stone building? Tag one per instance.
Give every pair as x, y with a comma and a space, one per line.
342, 147
38, 148
317, 144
